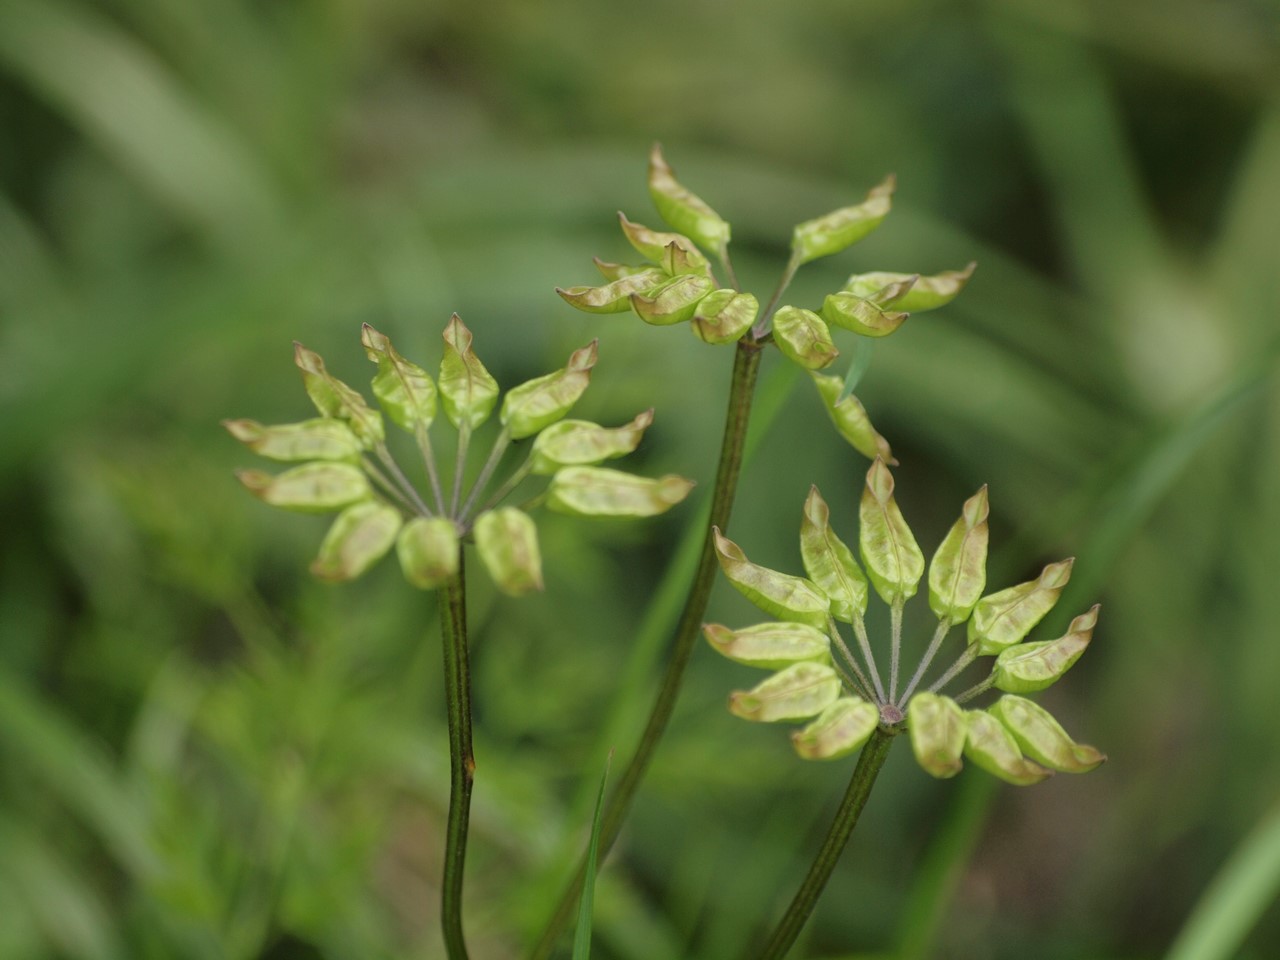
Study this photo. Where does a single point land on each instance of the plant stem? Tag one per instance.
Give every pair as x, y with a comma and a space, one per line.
495, 457
860, 629
970, 654
895, 655
746, 364
944, 626
423, 436
855, 798
834, 633
457, 688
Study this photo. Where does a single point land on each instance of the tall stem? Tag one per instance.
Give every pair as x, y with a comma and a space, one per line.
855, 798
462, 765
746, 364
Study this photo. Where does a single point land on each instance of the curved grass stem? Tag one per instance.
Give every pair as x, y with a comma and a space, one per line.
457, 686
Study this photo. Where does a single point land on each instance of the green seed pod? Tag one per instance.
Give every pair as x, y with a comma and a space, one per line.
507, 542
318, 439
310, 488
926, 293
993, 748
770, 645
958, 571
889, 550
722, 316
1029, 667
851, 421
651, 244
674, 302
839, 730
614, 296
802, 336
601, 492
682, 209
1042, 738
467, 390
1004, 618
428, 551
572, 443
778, 594
404, 389
842, 228
616, 271
677, 261
851, 312
334, 399
530, 407
800, 691
938, 732
360, 536
829, 562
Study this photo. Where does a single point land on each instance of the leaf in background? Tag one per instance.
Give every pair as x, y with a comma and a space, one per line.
582, 935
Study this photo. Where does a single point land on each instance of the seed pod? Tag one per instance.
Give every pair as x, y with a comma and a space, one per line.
334, 399
318, 439
677, 261
770, 645
601, 492
1042, 738
838, 731
1004, 618
861, 316
310, 488
404, 389
578, 443
938, 731
993, 748
722, 316
652, 243
614, 296
850, 418
616, 271
842, 228
360, 537
829, 561
467, 390
530, 407
889, 550
803, 337
428, 551
778, 594
1029, 667
683, 210
926, 293
674, 302
958, 571
800, 691
507, 542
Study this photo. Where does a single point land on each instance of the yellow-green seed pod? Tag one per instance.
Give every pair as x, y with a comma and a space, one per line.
1004, 618
993, 748
318, 439
677, 261
601, 492
844, 227
428, 551
530, 407
778, 594
850, 419
360, 536
614, 296
336, 400
1029, 667
404, 389
683, 210
574, 443
938, 731
674, 302
1042, 738
770, 645
829, 561
800, 691
467, 390
802, 336
926, 293
851, 312
653, 243
838, 731
723, 316
889, 550
507, 542
958, 571
616, 271
310, 488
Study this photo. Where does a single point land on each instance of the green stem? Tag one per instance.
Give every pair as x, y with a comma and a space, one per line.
457, 688
855, 798
746, 365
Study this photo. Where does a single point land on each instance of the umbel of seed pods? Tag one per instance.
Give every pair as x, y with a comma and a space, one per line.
346, 466
819, 678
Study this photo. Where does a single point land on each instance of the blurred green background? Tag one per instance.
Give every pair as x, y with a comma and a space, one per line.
206, 754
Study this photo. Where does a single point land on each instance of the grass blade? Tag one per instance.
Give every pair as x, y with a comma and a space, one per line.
582, 936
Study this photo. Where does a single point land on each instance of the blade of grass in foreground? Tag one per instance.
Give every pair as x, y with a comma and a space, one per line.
582, 936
